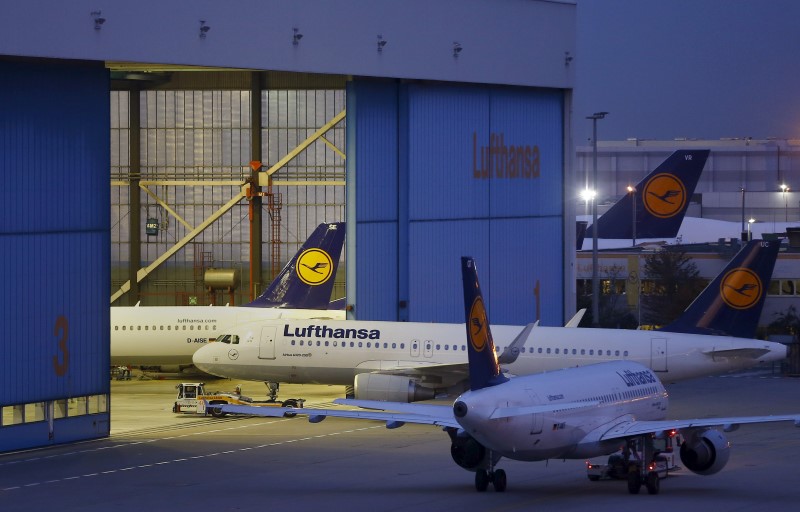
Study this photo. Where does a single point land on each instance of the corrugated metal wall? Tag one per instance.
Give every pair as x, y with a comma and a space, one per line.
54, 253
373, 116
480, 172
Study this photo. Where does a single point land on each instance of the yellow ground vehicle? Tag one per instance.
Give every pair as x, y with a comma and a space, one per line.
193, 397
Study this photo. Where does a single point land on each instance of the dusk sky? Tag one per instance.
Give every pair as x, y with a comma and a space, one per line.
688, 68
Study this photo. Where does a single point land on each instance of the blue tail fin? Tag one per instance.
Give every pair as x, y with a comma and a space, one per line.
731, 304
662, 198
484, 370
306, 282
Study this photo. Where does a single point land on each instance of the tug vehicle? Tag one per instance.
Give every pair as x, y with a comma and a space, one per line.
194, 399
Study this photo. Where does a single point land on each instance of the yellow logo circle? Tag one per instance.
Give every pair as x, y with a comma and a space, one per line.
664, 195
478, 328
741, 288
314, 266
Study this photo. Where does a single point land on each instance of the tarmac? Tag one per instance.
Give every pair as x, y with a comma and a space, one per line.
155, 459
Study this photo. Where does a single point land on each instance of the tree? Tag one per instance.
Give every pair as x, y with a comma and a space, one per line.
676, 284
787, 322
613, 315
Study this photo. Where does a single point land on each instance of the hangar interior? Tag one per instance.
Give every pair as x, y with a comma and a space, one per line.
177, 166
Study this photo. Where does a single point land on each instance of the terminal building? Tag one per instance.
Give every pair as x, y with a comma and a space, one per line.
225, 133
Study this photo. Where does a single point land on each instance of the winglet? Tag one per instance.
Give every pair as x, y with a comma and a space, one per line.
484, 370
731, 304
662, 199
306, 282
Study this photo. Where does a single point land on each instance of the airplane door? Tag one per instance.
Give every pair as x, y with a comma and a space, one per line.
658, 354
428, 349
414, 348
537, 420
266, 346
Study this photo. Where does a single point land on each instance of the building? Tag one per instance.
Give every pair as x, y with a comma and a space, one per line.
433, 136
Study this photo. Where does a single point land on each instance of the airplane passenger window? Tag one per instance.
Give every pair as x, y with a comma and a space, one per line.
146, 327
556, 351
574, 351
625, 353
591, 352
394, 345
540, 350
608, 352
583, 351
326, 343
352, 344
548, 350
368, 344
438, 347
138, 327
116, 327
402, 345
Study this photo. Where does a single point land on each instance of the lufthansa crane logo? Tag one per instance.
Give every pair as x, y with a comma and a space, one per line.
664, 195
478, 328
741, 288
314, 266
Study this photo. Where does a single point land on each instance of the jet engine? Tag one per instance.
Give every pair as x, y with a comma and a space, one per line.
706, 452
467, 452
392, 388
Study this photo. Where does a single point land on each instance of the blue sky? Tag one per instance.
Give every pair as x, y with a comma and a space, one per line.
688, 68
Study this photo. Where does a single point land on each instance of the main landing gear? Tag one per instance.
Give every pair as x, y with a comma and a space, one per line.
272, 390
483, 477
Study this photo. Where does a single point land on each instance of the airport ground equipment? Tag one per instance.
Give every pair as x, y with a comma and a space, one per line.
643, 461
193, 398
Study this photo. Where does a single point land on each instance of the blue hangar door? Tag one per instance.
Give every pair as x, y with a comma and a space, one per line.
438, 171
54, 253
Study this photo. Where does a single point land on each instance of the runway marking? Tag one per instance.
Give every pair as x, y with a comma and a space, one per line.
162, 463
149, 441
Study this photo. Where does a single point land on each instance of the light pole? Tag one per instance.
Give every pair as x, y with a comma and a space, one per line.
750, 222
785, 189
595, 280
632, 191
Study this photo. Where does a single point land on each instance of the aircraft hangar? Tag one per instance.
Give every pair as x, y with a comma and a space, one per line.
432, 135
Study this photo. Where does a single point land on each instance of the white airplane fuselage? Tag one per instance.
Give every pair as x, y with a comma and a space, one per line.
619, 390
169, 335
331, 352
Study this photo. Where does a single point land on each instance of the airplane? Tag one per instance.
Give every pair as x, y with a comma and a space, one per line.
732, 302
407, 361
659, 203
167, 336
573, 413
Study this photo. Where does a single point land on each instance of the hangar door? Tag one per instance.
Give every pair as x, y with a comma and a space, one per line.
443, 171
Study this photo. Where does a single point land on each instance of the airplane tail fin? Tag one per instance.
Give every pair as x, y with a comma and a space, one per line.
731, 304
484, 369
662, 198
306, 282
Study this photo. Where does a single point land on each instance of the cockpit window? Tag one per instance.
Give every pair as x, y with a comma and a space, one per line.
234, 339
225, 338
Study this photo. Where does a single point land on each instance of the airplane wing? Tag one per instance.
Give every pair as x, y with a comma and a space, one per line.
421, 414
632, 428
576, 319
511, 353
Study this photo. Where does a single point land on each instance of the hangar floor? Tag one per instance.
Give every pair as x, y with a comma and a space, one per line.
158, 460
